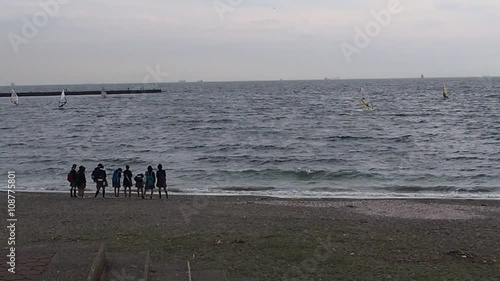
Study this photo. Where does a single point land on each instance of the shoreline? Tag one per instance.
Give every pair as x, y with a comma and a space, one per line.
290, 197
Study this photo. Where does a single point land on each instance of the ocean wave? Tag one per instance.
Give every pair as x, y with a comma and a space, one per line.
461, 158
248, 188
403, 138
303, 174
205, 128
16, 144
189, 121
215, 121
174, 190
440, 189
331, 189
37, 160
125, 145
337, 138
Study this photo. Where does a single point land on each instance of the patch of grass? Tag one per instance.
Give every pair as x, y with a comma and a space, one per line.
304, 255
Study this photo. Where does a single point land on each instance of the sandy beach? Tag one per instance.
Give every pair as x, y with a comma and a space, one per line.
280, 239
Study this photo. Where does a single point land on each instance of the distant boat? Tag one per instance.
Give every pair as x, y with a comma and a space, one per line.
365, 99
14, 98
104, 94
422, 76
62, 100
182, 81
445, 92
200, 81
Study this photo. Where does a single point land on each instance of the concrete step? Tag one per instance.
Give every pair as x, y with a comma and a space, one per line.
209, 275
168, 272
126, 266
75, 262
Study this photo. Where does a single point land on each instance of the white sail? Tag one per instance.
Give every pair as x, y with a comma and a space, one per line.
62, 100
104, 94
365, 99
445, 91
14, 98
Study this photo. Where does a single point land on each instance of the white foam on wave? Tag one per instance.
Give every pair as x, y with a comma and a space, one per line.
299, 195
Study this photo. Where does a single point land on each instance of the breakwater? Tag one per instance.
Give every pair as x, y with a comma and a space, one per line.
82, 93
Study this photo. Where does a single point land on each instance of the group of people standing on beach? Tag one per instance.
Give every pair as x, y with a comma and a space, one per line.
143, 182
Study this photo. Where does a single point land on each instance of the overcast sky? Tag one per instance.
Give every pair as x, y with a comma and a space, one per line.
112, 41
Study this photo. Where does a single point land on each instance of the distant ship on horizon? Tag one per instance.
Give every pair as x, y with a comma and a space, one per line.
422, 76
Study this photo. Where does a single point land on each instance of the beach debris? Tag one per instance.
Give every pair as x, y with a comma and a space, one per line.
461, 254
123, 236
189, 271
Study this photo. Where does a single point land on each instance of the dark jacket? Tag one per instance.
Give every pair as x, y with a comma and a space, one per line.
73, 175
139, 180
161, 178
99, 174
80, 178
127, 178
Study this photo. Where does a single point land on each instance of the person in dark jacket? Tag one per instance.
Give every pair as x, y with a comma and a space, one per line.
99, 176
71, 179
127, 181
81, 181
161, 180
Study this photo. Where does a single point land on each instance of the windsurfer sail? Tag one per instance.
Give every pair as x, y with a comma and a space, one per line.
14, 98
62, 100
104, 94
445, 92
365, 100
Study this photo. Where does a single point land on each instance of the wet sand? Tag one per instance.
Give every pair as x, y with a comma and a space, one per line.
280, 239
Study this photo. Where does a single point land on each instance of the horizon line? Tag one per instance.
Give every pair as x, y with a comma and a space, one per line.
236, 81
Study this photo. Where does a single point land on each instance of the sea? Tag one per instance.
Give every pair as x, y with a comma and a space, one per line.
269, 138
